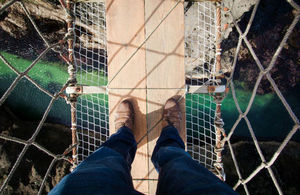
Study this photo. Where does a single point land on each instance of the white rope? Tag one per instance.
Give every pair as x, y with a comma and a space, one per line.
264, 164
203, 110
91, 70
54, 97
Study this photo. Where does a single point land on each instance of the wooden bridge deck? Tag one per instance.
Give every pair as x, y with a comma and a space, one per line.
154, 73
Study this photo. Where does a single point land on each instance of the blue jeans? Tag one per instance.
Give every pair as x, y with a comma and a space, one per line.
107, 170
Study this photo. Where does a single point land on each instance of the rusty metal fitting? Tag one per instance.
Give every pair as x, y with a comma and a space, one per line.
218, 150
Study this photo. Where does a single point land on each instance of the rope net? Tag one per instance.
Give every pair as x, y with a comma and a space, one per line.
54, 97
264, 71
202, 112
201, 136
200, 66
91, 70
200, 43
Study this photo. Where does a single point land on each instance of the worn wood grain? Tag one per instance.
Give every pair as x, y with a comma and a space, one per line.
153, 75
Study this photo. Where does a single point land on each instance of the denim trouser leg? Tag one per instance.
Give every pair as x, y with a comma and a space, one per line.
178, 172
106, 171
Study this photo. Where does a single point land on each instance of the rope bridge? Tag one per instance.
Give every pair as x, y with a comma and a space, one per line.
92, 107
87, 86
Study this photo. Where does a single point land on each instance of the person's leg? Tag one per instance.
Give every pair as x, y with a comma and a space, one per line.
178, 172
107, 170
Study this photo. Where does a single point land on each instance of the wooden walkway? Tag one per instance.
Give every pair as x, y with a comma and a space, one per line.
152, 75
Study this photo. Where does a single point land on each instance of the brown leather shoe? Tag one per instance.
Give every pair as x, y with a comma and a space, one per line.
171, 114
124, 115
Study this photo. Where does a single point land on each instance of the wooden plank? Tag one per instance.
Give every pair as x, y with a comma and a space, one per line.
140, 163
160, 69
125, 31
165, 67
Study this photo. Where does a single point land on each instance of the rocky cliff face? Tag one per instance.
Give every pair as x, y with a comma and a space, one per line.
17, 34
285, 169
269, 26
49, 17
28, 177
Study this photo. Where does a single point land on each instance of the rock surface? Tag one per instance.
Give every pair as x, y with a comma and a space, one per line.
28, 177
200, 28
18, 36
268, 29
286, 168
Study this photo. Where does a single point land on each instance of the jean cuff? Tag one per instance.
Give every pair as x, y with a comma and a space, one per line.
124, 143
168, 137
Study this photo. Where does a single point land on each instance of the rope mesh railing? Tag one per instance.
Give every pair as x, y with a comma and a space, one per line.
200, 42
54, 97
200, 67
243, 115
201, 136
91, 68
205, 107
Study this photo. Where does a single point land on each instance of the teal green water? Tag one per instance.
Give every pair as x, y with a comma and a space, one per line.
26, 100
29, 102
268, 117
